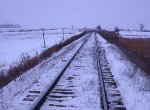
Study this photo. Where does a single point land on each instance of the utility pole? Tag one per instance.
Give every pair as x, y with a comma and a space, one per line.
43, 38
63, 34
72, 27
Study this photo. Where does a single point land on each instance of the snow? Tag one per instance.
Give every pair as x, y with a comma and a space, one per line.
37, 78
85, 83
132, 82
134, 34
14, 44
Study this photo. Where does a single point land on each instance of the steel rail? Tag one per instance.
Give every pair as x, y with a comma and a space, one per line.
103, 90
37, 105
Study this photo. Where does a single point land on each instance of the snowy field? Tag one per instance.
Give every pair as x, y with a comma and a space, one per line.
134, 34
14, 44
131, 81
12, 94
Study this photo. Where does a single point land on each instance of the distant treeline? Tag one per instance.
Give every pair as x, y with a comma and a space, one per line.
9, 25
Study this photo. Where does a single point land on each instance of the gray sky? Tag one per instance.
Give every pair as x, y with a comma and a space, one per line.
64, 13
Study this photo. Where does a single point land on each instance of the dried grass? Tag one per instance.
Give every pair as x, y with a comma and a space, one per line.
136, 49
28, 62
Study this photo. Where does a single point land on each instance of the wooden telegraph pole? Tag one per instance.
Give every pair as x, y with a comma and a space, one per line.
63, 34
43, 38
72, 27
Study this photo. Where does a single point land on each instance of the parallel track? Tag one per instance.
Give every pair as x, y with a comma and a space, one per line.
110, 96
102, 85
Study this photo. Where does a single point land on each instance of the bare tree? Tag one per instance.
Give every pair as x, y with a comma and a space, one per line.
116, 30
141, 27
98, 27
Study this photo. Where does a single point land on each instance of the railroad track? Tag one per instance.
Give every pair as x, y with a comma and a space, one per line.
76, 83
52, 93
110, 96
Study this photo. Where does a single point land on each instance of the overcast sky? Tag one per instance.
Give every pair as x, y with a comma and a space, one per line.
64, 13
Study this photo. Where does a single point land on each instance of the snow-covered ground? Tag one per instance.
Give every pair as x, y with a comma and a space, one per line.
132, 82
14, 44
38, 78
134, 34
85, 82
